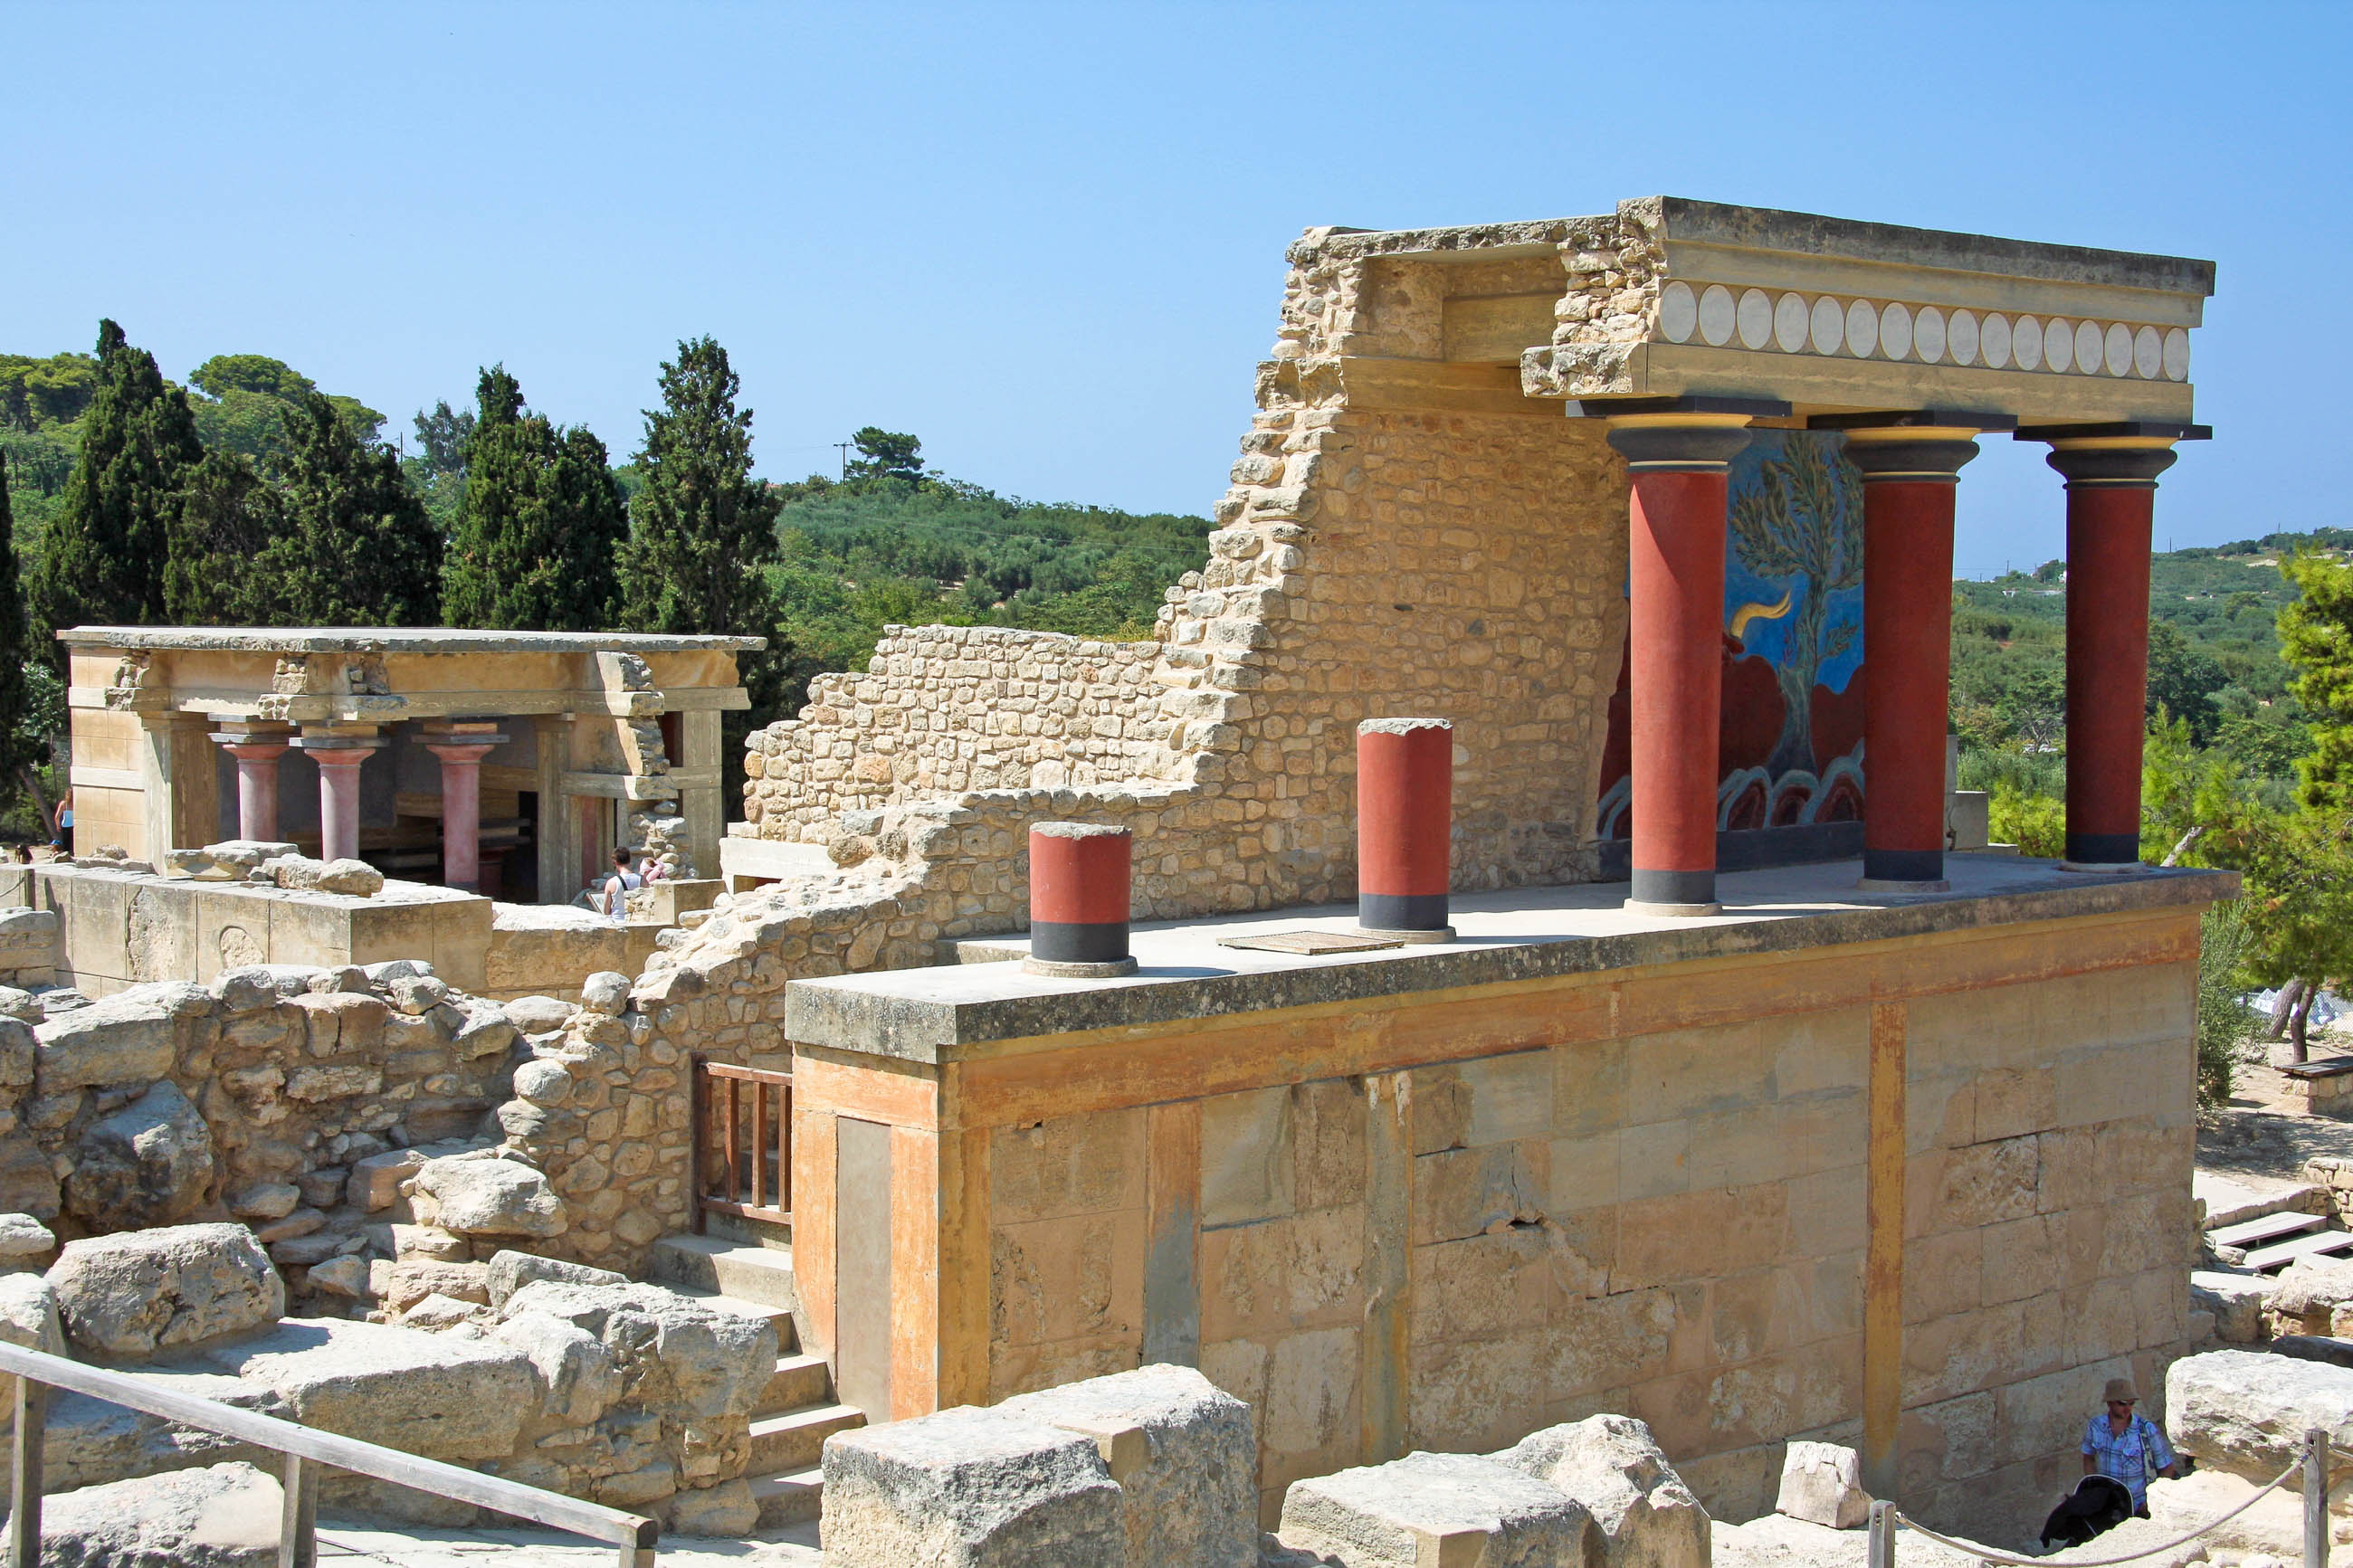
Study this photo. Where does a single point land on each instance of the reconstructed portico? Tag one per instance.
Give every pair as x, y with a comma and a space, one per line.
388, 745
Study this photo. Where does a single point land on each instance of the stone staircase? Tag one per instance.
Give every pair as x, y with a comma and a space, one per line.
798, 1411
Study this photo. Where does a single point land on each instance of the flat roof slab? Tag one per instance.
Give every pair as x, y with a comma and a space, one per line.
937, 1014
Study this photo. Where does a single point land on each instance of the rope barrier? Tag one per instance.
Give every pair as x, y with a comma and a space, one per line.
1989, 1554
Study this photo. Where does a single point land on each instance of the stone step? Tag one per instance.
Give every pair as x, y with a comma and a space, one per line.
723, 1267
795, 1440
799, 1379
790, 1498
2230, 1199
2262, 1228
788, 1341
2318, 1244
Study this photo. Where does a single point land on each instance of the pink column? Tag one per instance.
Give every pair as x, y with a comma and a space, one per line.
256, 785
338, 798
461, 811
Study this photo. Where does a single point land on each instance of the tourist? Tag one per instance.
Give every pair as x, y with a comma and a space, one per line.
2125, 1446
620, 885
63, 834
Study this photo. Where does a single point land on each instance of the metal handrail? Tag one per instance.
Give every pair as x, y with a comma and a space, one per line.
306, 1450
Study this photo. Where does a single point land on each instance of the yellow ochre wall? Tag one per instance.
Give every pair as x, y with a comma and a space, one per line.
1447, 1220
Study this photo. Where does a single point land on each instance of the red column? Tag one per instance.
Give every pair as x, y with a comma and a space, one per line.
1080, 874
1674, 590
256, 782
1405, 826
1909, 473
2111, 506
461, 808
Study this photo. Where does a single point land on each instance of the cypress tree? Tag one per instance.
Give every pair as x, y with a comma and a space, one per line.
702, 532
103, 563
14, 643
357, 547
536, 535
227, 539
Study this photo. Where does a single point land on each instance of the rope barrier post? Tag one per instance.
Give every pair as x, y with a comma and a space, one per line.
1881, 1553
2316, 1499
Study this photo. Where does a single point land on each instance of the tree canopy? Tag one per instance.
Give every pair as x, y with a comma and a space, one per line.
250, 402
534, 537
885, 455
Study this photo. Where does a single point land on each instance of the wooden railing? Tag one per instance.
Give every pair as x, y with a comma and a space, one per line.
742, 1165
306, 1451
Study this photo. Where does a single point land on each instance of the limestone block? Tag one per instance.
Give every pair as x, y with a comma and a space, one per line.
148, 1163
376, 1180
508, 1271
130, 1037
21, 1005
345, 1276
2235, 1299
538, 1015
25, 1242
1434, 1509
403, 1283
1182, 1452
578, 1377
417, 995
246, 990
28, 1179
482, 1030
28, 1318
437, 1395
728, 1510
28, 939
710, 1363
1821, 1483
607, 992
266, 1201
1611, 1465
130, 1295
492, 1197
299, 873
223, 1516
969, 1488
2246, 1411
2311, 1290
543, 1083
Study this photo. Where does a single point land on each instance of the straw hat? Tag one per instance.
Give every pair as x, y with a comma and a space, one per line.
2121, 1392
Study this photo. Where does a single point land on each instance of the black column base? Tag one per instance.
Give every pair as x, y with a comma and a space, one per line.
2104, 849
1673, 887
1903, 865
1067, 942
1401, 911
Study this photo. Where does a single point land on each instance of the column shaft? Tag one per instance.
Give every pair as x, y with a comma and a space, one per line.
257, 787
1675, 587
2111, 503
461, 814
1909, 476
338, 800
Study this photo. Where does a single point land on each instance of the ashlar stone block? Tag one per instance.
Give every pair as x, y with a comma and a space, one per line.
1435, 1510
970, 1488
1643, 1514
1182, 1452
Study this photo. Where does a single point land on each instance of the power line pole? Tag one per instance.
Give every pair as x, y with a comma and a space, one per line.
844, 449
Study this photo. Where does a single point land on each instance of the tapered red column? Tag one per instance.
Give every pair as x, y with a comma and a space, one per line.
2110, 473
1676, 465
461, 748
1079, 878
339, 754
1405, 826
257, 751
1909, 471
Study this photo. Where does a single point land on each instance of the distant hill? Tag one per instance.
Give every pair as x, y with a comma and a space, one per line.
868, 553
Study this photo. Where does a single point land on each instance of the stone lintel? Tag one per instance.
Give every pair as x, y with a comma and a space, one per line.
401, 640
942, 1014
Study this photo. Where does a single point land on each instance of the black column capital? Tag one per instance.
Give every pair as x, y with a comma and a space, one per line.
2092, 466
1913, 457
1667, 444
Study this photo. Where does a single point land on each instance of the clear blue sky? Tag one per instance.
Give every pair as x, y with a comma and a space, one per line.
1048, 239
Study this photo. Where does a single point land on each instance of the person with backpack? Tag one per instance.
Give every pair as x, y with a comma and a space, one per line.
2125, 1446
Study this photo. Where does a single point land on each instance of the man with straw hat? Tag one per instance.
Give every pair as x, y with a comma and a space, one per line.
2125, 1446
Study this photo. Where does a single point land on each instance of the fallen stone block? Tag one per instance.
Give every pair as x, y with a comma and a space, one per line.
2308, 1293
29, 1178
376, 1180
25, 1242
345, 1277
538, 1015
1430, 1509
441, 1395
969, 1488
299, 873
1611, 1465
492, 1197
148, 1163
28, 1318
605, 992
1183, 1454
710, 1363
2314, 1347
2246, 1412
223, 1516
2235, 1299
727, 1510
1821, 1483
130, 1037
130, 1295
578, 1377
508, 1271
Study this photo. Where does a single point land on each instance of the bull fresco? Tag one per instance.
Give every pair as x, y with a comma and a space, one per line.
1789, 745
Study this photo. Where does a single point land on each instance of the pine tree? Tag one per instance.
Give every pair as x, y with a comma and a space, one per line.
536, 537
103, 563
702, 533
357, 548
227, 538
